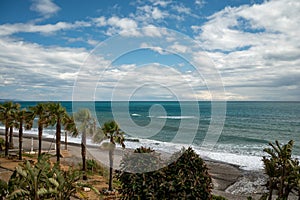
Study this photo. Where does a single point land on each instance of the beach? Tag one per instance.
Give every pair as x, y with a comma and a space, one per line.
229, 180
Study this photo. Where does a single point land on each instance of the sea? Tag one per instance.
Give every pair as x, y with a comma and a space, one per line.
247, 128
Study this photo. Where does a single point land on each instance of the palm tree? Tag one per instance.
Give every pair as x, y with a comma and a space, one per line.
279, 166
6, 116
85, 124
42, 112
11, 134
23, 118
69, 127
112, 131
58, 114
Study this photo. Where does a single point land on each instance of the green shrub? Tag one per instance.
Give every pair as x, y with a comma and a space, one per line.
215, 197
139, 185
42, 181
185, 178
2, 144
3, 189
283, 171
93, 167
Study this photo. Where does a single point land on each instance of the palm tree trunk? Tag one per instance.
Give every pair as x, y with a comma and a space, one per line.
40, 130
6, 141
270, 193
83, 154
20, 139
11, 137
66, 140
58, 133
111, 162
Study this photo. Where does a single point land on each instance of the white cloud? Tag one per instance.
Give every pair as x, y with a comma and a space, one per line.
256, 25
157, 13
122, 26
154, 48
255, 48
148, 13
181, 9
153, 31
200, 3
160, 3
148, 82
92, 42
100, 21
9, 29
258, 51
44, 7
123, 23
179, 48
49, 73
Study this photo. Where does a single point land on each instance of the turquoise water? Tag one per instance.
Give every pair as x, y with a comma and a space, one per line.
248, 128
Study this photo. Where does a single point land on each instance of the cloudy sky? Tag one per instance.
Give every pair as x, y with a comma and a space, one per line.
150, 50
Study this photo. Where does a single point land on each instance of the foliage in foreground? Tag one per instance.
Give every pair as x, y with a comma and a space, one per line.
2, 144
283, 171
185, 178
42, 181
3, 189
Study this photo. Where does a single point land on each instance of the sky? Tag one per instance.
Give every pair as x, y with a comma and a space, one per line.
150, 50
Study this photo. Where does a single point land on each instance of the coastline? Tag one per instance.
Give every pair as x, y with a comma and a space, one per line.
229, 180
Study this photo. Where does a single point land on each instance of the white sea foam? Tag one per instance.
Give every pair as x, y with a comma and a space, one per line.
173, 117
245, 161
136, 115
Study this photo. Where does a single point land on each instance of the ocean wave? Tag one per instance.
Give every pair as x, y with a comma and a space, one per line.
246, 155
173, 117
246, 162
136, 115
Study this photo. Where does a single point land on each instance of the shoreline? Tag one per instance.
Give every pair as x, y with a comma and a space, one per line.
229, 180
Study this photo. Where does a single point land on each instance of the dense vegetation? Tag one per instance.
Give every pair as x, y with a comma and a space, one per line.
283, 171
185, 178
41, 181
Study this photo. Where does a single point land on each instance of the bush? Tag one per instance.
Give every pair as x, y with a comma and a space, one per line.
42, 181
215, 197
2, 144
185, 178
3, 189
94, 167
283, 171
139, 185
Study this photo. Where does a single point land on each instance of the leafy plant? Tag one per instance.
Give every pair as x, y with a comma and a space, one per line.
282, 170
94, 167
185, 178
42, 181
215, 197
7, 110
139, 185
2, 144
3, 189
